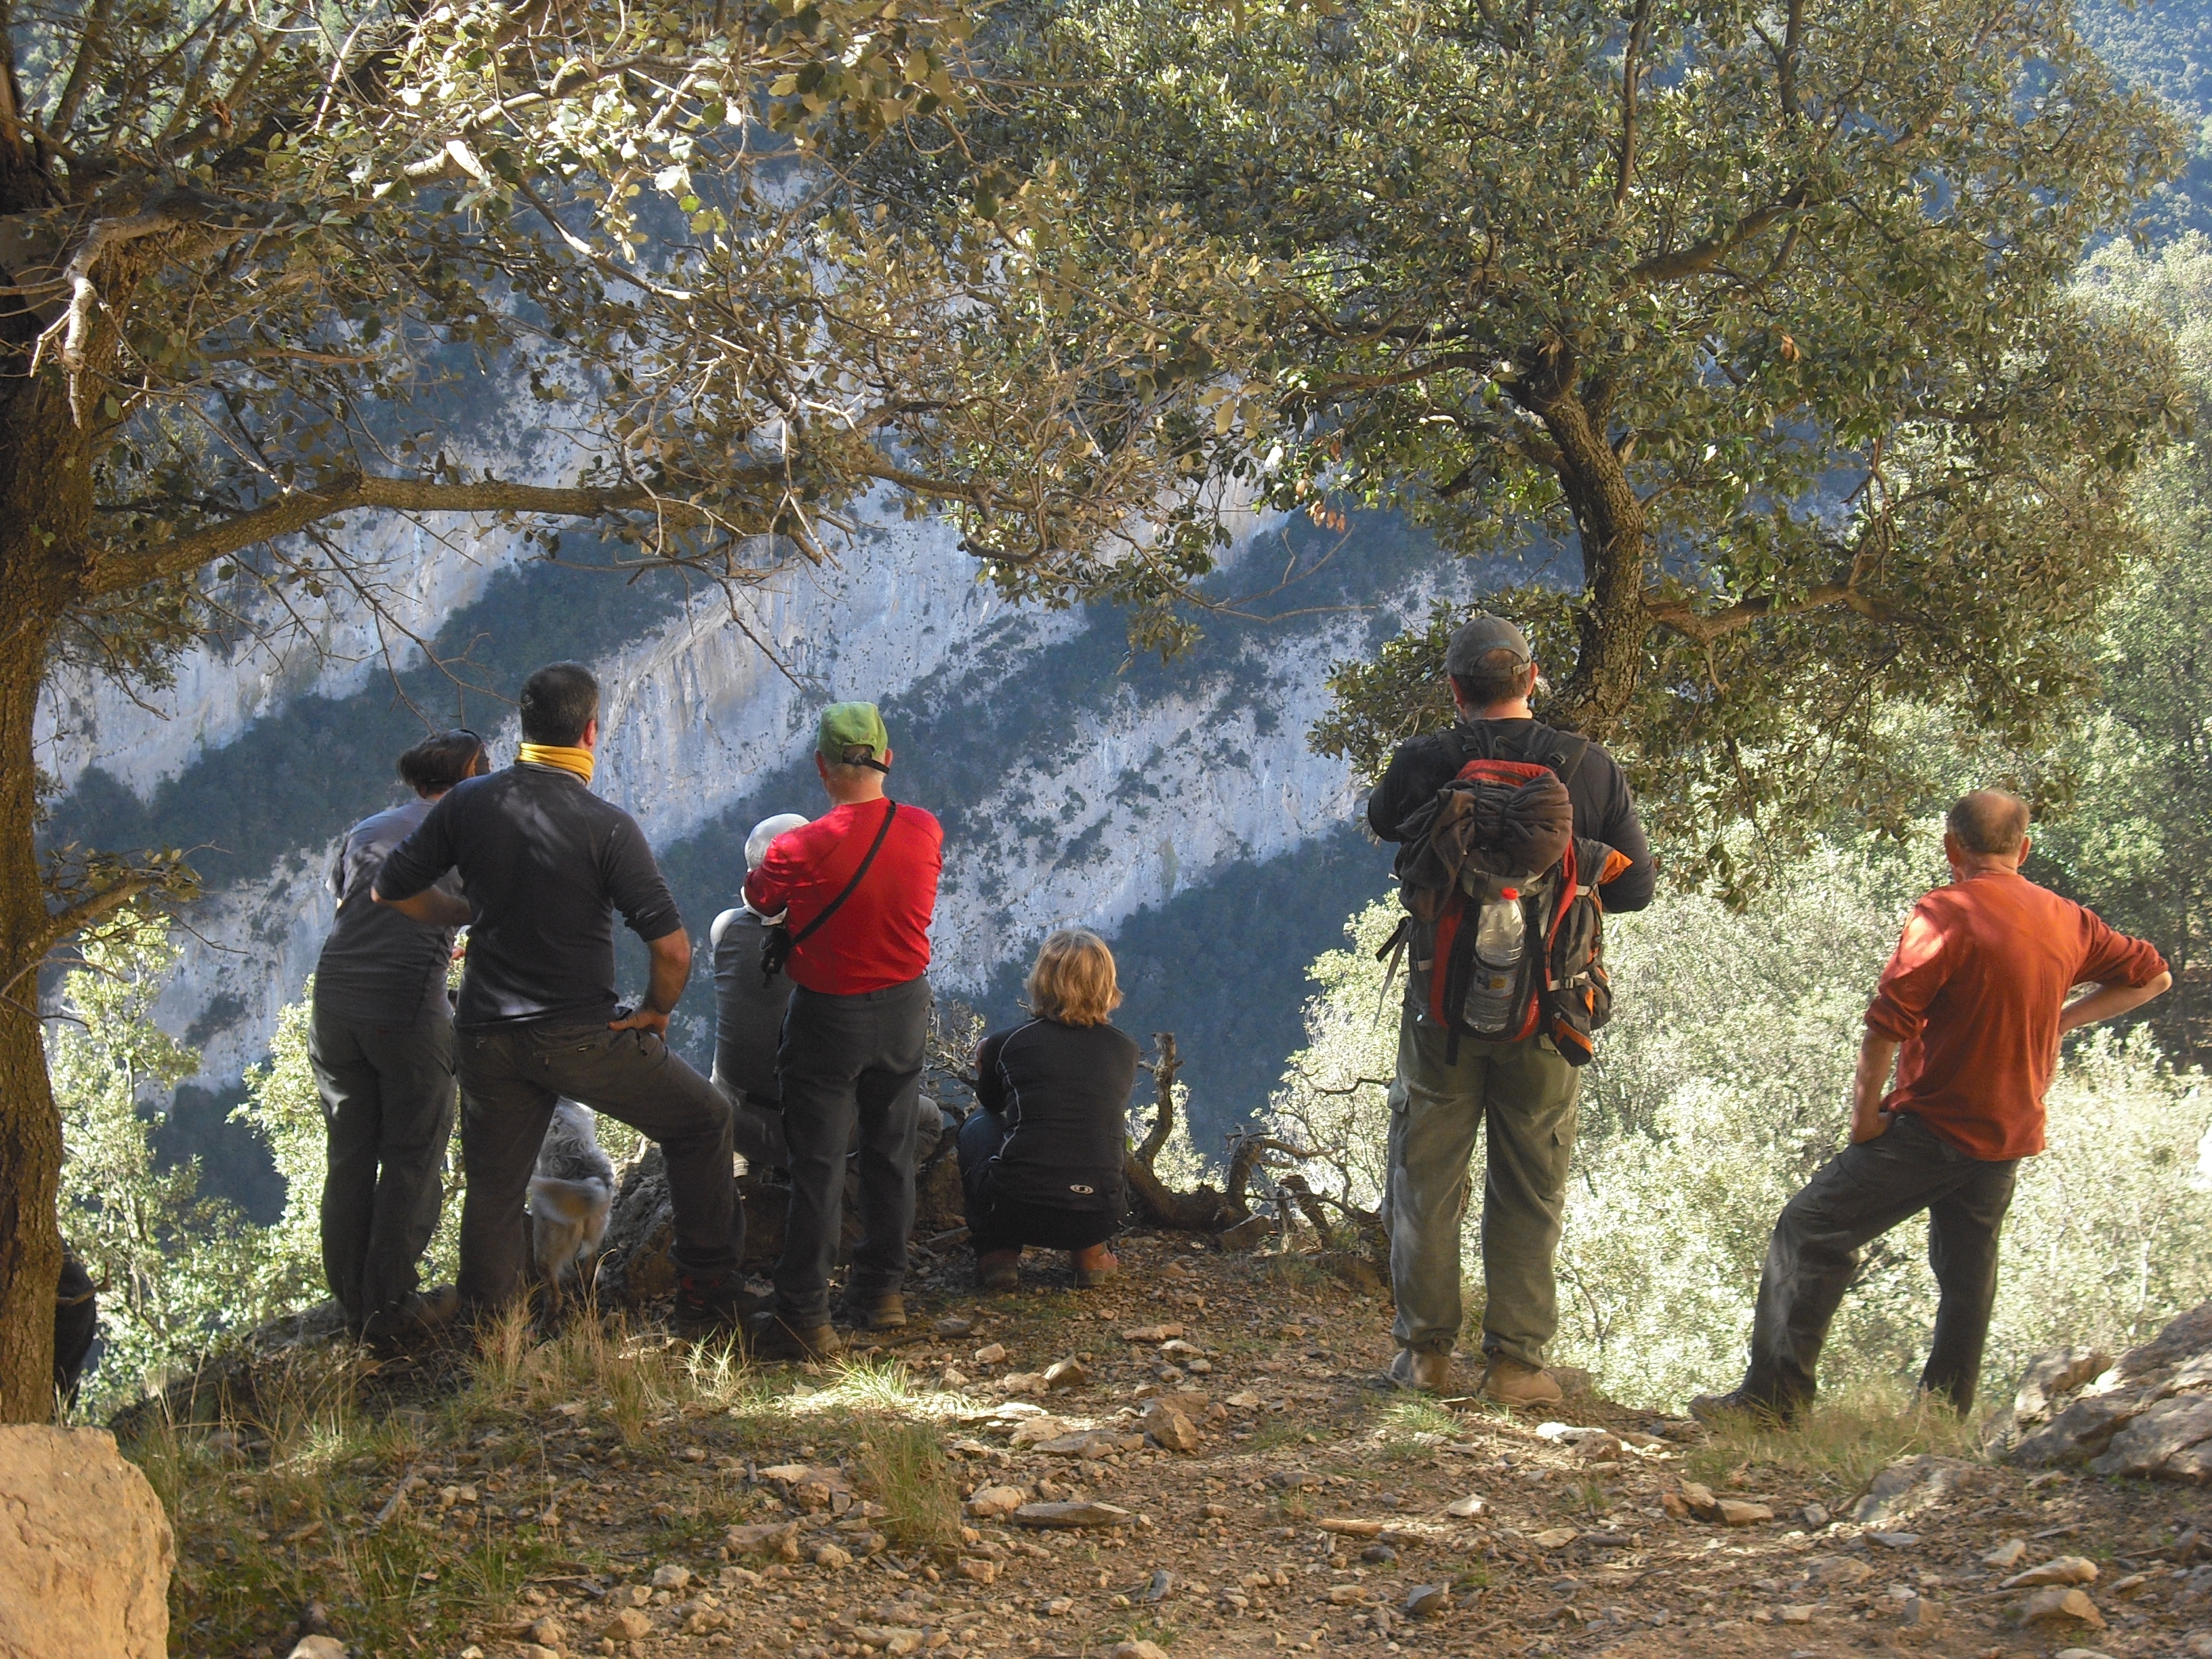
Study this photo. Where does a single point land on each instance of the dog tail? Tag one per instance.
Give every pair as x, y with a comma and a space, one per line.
569, 1200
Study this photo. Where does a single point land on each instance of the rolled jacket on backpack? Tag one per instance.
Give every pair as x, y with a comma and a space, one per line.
1502, 825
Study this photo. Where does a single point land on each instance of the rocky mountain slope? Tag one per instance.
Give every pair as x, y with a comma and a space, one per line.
1175, 805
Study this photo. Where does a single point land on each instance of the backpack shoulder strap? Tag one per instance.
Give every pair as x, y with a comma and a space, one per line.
1563, 752
1470, 745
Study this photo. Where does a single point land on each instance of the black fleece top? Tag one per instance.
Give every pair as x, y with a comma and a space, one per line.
1062, 1093
1599, 789
546, 864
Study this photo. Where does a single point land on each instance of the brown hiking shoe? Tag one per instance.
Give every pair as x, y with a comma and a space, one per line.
1094, 1266
874, 1310
768, 1339
704, 1306
998, 1270
1513, 1384
1423, 1372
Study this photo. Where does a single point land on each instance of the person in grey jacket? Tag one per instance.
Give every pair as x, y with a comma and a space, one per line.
380, 1043
748, 1010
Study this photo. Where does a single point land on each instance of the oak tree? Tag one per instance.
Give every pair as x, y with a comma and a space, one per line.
266, 265
1746, 328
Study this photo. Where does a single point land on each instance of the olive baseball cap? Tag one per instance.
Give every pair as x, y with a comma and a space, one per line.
849, 725
1474, 639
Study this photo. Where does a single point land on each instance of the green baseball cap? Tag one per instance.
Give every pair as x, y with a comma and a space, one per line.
850, 726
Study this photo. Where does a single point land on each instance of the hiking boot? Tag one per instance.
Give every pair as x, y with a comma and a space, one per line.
1722, 1410
1094, 1266
874, 1310
1512, 1384
1421, 1372
705, 1305
998, 1270
420, 1313
768, 1338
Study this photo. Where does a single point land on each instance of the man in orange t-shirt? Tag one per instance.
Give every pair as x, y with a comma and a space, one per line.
1975, 997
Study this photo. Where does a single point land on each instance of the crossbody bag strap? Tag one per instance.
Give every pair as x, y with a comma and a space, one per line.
830, 908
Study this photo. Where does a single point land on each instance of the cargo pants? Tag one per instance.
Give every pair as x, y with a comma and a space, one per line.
512, 1076
1519, 1098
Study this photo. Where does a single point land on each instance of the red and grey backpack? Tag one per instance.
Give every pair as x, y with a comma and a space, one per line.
1501, 833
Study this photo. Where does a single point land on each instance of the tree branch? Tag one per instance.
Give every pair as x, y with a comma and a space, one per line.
113, 570
90, 46
1699, 257
1163, 1069
1631, 78
75, 918
1705, 627
165, 209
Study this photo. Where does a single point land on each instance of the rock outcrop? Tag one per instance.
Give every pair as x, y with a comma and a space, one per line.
1912, 1486
2149, 1415
633, 1266
85, 1550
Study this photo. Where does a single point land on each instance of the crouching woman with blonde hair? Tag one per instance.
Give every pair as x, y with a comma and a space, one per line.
1041, 1160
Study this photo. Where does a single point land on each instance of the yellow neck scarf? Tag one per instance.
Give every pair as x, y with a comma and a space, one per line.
578, 760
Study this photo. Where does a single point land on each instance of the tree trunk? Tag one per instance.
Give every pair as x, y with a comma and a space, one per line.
1205, 1211
1613, 529
30, 1129
46, 510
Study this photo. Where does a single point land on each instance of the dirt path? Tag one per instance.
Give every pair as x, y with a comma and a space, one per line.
1316, 1512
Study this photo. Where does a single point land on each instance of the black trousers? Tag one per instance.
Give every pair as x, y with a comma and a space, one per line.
847, 1063
997, 1223
387, 1094
511, 1077
76, 1322
1854, 1198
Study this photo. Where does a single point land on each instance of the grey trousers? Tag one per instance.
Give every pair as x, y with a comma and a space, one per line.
849, 1062
1521, 1097
387, 1093
510, 1078
756, 1127
1852, 1200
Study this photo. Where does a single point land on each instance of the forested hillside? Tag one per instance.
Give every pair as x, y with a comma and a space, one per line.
2165, 46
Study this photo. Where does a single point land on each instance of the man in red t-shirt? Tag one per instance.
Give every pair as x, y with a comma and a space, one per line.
856, 890
1975, 995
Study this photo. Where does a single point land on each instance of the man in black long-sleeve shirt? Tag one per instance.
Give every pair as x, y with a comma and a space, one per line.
1523, 1093
547, 864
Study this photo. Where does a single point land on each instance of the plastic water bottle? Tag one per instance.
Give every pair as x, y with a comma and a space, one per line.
1500, 935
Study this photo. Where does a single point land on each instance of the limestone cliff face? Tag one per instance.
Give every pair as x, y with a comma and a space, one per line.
418, 575
1075, 786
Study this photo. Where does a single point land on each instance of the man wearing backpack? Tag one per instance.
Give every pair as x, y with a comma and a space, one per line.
1515, 835
857, 890
1969, 1012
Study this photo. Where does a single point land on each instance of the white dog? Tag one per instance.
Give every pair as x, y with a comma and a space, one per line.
570, 1196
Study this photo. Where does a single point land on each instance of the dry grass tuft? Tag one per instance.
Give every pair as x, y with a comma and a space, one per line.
905, 1466
1843, 1442
1412, 1426
638, 1376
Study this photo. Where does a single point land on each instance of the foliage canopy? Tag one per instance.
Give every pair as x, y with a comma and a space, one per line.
1753, 320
